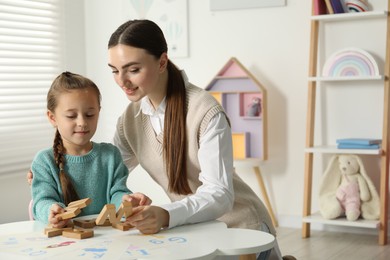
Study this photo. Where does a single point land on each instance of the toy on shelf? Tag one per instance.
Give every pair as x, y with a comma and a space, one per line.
346, 189
243, 98
350, 62
255, 107
356, 6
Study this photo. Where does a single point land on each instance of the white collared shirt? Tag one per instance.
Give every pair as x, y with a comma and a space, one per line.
216, 195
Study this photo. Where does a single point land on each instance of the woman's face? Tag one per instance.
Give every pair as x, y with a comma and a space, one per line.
138, 73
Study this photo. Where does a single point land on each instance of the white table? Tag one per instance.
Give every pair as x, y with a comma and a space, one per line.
25, 240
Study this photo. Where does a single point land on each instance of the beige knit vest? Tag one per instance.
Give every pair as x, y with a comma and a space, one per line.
136, 131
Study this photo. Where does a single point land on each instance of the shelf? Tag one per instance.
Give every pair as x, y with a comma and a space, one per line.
363, 223
333, 149
320, 26
350, 16
354, 78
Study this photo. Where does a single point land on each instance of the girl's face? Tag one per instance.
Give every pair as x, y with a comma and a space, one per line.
139, 73
76, 117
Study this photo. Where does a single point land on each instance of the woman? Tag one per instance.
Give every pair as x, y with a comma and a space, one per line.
180, 135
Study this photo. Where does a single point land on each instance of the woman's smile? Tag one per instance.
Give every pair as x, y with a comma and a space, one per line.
130, 91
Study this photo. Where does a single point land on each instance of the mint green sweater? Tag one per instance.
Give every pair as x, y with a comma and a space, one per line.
99, 175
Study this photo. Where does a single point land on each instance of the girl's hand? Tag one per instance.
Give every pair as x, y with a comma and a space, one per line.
149, 219
137, 199
29, 177
56, 209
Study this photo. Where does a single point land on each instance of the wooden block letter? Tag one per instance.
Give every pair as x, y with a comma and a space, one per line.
79, 203
78, 233
69, 213
122, 226
53, 232
125, 210
107, 211
85, 223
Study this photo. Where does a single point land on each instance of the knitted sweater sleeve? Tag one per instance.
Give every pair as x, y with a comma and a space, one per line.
119, 179
46, 189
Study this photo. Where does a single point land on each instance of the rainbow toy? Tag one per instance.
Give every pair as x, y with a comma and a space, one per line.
356, 6
350, 62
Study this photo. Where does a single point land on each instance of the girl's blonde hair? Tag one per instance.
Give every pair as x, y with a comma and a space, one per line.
64, 83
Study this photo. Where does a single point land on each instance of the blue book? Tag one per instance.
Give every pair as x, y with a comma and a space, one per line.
359, 141
358, 146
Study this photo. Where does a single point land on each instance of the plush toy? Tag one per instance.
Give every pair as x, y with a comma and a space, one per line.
255, 107
346, 189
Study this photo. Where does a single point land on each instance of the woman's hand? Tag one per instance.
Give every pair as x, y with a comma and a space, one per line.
56, 209
149, 219
137, 199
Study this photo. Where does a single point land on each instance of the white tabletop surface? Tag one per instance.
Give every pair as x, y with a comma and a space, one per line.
25, 240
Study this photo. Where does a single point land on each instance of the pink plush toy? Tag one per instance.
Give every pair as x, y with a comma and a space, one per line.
352, 189
346, 189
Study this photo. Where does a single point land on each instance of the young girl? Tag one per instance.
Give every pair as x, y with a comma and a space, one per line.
76, 168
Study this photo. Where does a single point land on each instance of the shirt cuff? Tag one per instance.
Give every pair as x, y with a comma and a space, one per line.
177, 213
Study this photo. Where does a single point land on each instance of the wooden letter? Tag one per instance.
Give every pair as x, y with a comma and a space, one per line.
78, 233
85, 223
124, 226
69, 213
79, 203
125, 209
107, 211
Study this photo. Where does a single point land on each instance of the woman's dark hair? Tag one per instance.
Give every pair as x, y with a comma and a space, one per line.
64, 83
147, 35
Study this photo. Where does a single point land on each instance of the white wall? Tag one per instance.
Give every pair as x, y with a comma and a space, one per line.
273, 43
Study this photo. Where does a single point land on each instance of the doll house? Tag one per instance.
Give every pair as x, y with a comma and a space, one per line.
244, 99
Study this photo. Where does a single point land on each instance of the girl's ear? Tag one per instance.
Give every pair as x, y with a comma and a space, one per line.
163, 61
52, 118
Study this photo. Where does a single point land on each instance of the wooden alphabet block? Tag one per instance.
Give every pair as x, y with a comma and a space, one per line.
79, 203
68, 225
53, 232
125, 210
107, 211
78, 233
85, 223
122, 226
69, 213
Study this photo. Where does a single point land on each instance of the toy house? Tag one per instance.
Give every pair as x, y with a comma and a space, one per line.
244, 99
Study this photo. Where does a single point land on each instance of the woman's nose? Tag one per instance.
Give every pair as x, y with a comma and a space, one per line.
123, 81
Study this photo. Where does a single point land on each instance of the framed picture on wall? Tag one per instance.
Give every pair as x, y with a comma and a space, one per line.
171, 16
219, 5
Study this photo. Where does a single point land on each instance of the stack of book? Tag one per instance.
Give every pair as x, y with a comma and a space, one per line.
358, 143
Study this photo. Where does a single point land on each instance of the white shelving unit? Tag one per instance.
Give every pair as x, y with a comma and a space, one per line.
312, 149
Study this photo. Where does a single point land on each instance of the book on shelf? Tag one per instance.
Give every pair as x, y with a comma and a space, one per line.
359, 141
338, 6
319, 7
358, 146
329, 6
